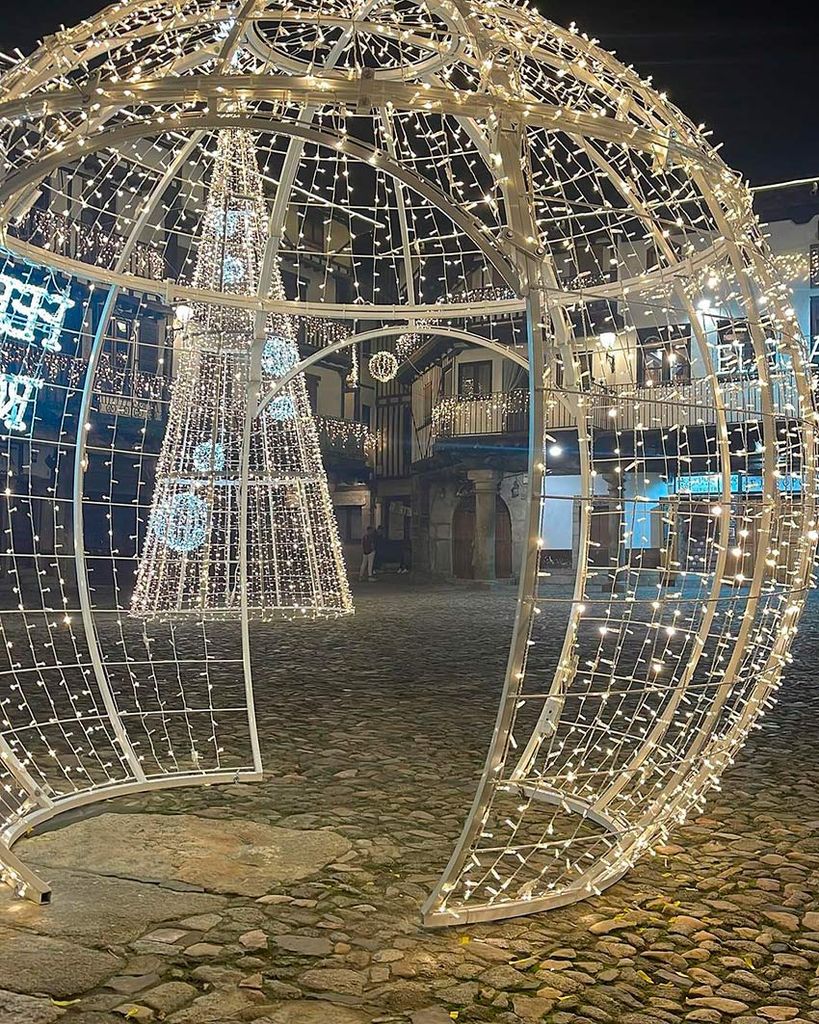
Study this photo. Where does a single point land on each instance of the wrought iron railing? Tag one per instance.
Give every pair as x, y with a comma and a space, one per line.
618, 406
502, 412
346, 437
89, 243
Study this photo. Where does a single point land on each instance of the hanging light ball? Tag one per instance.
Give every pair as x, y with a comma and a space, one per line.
282, 408
181, 522
233, 270
207, 456
383, 366
279, 355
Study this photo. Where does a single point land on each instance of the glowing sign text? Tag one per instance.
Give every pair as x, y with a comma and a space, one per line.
16, 391
27, 308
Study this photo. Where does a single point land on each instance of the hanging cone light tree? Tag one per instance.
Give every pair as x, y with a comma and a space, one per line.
190, 563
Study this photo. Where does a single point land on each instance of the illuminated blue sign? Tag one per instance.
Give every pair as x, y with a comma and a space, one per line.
16, 391
711, 483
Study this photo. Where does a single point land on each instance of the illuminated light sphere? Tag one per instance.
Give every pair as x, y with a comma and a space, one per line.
181, 523
279, 355
466, 172
282, 408
234, 270
383, 366
208, 456
183, 313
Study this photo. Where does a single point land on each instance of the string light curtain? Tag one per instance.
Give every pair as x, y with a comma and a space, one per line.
191, 558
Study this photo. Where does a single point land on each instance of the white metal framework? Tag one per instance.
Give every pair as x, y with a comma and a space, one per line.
465, 169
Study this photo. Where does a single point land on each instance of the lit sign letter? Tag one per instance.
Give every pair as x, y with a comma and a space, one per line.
26, 308
16, 392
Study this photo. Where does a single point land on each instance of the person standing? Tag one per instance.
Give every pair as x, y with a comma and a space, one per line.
367, 555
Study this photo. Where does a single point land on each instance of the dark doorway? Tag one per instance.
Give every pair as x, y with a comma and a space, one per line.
463, 539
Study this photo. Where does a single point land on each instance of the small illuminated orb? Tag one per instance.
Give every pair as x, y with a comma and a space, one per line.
233, 270
183, 314
181, 522
228, 223
208, 456
279, 355
282, 408
383, 366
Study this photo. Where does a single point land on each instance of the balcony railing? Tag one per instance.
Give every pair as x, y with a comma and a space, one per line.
89, 243
345, 437
621, 406
630, 407
502, 412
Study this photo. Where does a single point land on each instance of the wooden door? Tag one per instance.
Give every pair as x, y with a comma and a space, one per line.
463, 538
503, 540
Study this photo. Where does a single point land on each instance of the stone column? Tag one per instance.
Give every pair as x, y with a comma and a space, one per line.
483, 551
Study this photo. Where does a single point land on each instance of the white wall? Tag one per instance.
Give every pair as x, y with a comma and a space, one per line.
641, 515
557, 519
561, 492
329, 392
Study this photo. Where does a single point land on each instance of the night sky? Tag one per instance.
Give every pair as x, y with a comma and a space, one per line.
749, 74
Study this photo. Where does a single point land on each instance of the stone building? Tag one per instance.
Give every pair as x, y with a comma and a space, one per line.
450, 472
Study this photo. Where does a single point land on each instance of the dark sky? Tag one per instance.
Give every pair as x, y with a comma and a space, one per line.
751, 74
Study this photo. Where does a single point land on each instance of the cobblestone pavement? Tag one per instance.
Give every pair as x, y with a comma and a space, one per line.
376, 728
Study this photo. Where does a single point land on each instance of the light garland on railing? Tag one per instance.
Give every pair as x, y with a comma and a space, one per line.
347, 434
90, 243
479, 410
69, 371
320, 332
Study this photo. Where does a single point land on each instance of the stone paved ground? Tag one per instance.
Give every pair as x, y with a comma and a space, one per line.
375, 729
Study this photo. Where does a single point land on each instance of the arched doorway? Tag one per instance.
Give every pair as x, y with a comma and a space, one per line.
463, 539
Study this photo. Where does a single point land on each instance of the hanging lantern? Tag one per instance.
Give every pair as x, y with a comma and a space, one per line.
190, 563
383, 366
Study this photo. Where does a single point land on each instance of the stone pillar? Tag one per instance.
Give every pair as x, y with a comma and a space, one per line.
483, 551
420, 498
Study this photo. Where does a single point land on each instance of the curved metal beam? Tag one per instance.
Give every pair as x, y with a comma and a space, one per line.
386, 332
222, 91
478, 233
173, 293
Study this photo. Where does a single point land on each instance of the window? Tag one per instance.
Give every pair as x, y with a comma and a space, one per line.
148, 345
295, 287
349, 523
313, 228
366, 414
735, 348
426, 399
664, 355
585, 363
344, 288
475, 379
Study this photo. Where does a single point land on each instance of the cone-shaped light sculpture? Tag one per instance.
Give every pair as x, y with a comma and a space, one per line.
190, 563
